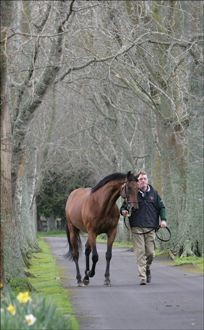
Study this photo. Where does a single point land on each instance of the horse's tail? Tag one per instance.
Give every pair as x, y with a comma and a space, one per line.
69, 254
73, 253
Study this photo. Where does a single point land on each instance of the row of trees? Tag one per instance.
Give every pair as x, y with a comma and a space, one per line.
95, 87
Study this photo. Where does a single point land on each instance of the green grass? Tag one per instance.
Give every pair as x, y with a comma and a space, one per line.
47, 282
195, 261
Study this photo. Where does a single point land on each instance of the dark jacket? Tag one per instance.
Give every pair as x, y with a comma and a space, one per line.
151, 208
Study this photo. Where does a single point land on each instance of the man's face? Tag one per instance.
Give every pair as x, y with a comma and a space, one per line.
143, 182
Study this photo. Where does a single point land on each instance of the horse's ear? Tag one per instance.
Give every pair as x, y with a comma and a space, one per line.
132, 177
129, 174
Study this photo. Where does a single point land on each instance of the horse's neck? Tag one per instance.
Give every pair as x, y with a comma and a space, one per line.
108, 196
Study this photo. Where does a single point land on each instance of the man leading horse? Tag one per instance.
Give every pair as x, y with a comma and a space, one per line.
150, 214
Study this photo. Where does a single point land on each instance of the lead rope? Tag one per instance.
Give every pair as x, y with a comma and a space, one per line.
124, 218
149, 231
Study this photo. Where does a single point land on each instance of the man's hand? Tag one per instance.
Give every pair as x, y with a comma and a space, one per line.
125, 213
163, 224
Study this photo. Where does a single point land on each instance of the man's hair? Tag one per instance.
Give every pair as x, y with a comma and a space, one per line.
142, 172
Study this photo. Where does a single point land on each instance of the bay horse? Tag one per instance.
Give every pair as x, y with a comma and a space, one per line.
94, 211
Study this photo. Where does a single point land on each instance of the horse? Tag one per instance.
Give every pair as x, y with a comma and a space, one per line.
94, 211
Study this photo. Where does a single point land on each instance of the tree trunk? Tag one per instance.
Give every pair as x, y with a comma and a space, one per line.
11, 260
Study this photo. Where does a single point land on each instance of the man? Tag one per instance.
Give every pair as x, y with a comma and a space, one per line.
150, 214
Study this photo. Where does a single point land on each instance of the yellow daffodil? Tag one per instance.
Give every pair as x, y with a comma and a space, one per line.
23, 297
30, 319
11, 309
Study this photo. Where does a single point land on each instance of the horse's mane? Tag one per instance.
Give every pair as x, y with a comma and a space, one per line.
108, 178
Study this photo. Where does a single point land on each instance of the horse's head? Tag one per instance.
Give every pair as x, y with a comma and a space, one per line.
129, 191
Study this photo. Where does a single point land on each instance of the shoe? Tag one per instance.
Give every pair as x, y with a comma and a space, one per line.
148, 274
142, 282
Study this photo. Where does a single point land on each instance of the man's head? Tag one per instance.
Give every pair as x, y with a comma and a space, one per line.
142, 180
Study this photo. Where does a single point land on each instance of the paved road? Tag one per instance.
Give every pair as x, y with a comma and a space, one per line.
173, 301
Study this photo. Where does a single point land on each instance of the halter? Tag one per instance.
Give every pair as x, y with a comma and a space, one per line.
129, 206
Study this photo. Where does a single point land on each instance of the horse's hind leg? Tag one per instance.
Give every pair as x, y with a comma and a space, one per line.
87, 254
78, 275
75, 246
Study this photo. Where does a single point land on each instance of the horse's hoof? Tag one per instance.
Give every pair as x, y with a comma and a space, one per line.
80, 284
91, 274
86, 281
107, 283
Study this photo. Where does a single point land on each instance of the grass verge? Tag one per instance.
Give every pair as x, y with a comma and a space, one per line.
197, 262
46, 281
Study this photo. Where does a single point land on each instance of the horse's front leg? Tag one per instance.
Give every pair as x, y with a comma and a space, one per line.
78, 275
111, 238
87, 254
92, 242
